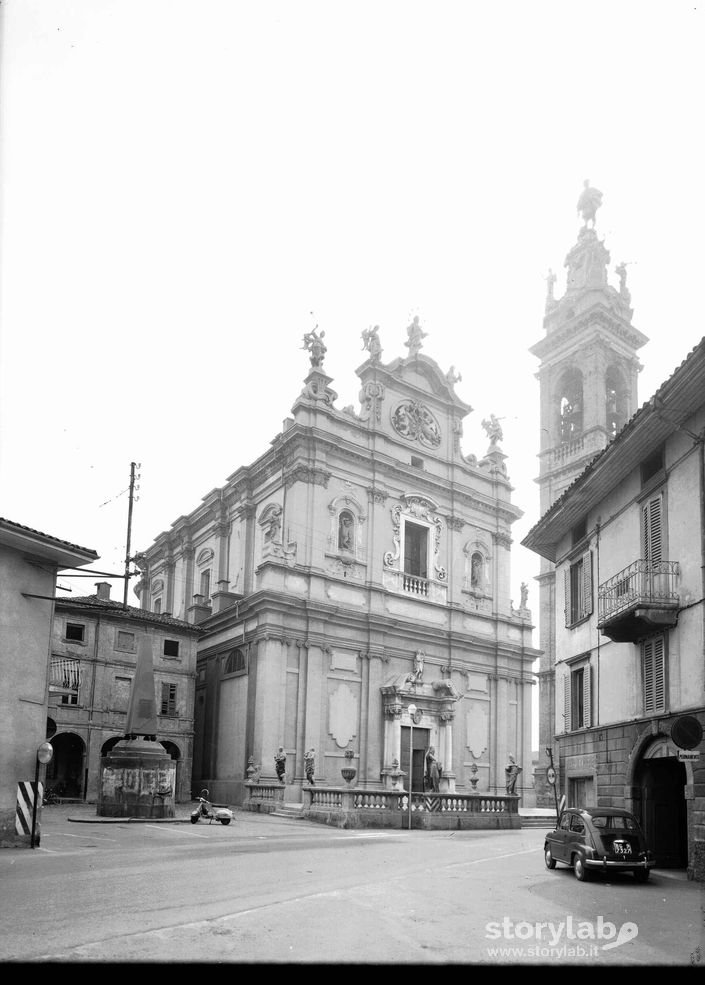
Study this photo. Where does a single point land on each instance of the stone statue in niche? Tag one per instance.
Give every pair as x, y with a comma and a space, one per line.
476, 578
416, 675
345, 531
272, 533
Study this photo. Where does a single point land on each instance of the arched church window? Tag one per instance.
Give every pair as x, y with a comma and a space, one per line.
346, 530
234, 662
615, 401
571, 406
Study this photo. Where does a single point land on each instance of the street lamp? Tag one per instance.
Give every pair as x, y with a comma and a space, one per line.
412, 713
45, 753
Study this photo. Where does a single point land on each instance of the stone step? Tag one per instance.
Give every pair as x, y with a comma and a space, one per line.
538, 821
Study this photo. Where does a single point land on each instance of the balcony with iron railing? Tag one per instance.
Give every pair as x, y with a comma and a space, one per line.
639, 600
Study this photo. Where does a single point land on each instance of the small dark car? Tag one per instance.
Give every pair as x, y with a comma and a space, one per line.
598, 839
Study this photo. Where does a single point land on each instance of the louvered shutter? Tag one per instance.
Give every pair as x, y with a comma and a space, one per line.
566, 594
647, 671
566, 701
587, 696
651, 530
659, 676
587, 584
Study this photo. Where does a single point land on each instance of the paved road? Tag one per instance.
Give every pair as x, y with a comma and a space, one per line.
272, 890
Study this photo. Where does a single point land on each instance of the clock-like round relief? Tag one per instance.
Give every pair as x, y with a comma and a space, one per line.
418, 715
414, 421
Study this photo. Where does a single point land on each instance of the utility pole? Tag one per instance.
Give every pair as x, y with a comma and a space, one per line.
133, 466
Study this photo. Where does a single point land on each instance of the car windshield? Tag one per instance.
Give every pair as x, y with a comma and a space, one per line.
616, 823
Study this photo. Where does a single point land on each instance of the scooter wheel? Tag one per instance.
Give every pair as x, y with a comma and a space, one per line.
194, 820
225, 820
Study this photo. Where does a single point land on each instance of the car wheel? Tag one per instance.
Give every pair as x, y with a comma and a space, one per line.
641, 875
581, 873
548, 858
225, 820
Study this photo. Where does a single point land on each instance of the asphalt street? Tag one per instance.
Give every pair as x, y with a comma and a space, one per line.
269, 890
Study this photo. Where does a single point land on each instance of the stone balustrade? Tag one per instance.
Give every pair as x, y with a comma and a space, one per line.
350, 807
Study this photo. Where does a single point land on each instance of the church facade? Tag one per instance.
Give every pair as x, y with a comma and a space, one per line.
359, 567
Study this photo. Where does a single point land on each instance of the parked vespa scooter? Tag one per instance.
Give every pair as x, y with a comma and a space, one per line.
206, 810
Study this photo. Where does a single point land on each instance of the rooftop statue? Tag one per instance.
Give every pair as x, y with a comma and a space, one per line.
371, 342
315, 345
493, 429
589, 202
416, 335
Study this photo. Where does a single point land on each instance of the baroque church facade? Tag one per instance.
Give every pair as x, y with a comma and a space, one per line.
357, 568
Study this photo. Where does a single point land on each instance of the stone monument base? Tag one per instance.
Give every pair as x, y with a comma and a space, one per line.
138, 779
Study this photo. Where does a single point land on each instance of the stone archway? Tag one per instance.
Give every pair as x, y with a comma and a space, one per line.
66, 774
175, 754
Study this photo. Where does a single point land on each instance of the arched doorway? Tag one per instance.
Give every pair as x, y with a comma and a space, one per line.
660, 781
66, 773
175, 754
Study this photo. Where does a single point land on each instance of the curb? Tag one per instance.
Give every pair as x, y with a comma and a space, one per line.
129, 820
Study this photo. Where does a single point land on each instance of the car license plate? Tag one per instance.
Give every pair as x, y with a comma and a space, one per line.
622, 848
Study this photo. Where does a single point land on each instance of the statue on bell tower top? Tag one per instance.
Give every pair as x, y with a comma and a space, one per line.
589, 202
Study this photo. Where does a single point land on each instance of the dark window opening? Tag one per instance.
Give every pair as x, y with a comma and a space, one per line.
417, 462
571, 406
171, 648
168, 699
579, 532
577, 700
234, 662
415, 550
75, 631
652, 466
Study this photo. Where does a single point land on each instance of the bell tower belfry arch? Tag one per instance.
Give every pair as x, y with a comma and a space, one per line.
588, 390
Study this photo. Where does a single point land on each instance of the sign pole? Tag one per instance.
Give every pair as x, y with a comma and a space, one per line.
44, 755
412, 712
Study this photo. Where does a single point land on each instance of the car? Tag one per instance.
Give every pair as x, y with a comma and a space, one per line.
598, 839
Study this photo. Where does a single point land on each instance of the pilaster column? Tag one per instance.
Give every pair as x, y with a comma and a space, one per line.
448, 778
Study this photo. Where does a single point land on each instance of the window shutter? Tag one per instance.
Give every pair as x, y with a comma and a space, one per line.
587, 583
651, 530
587, 695
566, 593
647, 672
566, 701
659, 677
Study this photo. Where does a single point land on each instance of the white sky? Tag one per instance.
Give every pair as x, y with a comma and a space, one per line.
184, 183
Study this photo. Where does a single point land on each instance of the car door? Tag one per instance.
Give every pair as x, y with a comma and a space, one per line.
558, 841
575, 841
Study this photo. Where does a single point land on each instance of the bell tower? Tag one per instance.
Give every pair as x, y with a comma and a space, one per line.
588, 390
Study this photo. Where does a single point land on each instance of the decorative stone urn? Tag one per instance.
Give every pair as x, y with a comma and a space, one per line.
348, 772
474, 777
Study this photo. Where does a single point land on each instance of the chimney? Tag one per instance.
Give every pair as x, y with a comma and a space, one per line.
103, 590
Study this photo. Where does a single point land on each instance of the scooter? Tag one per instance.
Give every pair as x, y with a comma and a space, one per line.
207, 810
